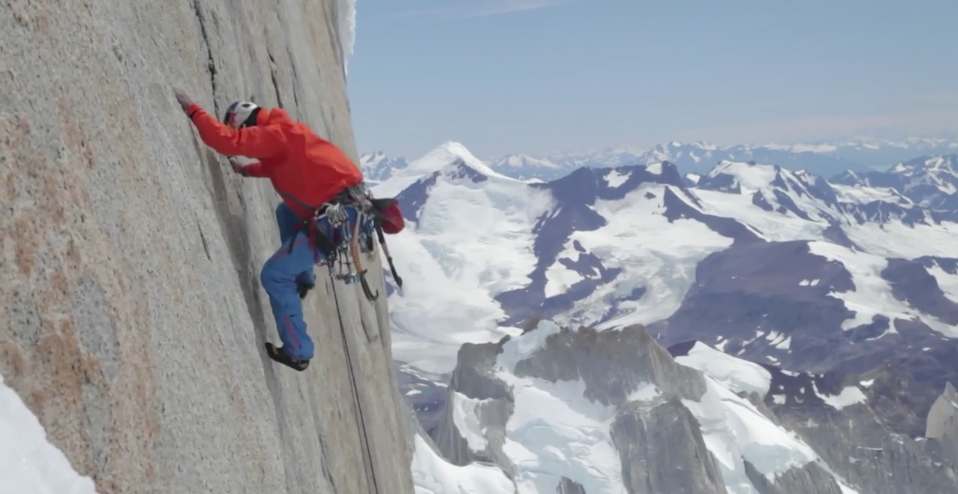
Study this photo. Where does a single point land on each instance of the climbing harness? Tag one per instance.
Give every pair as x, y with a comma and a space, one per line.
328, 237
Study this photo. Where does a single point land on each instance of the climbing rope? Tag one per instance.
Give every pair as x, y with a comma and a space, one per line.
363, 435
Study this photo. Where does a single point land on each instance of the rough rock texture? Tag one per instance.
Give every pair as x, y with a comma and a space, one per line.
570, 487
942, 427
858, 440
654, 440
132, 317
658, 453
810, 478
474, 378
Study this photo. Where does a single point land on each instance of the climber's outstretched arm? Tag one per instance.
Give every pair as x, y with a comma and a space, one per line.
253, 142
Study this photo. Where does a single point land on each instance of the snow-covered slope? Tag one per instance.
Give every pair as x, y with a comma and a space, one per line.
28, 462
377, 166
931, 181
820, 158
617, 246
614, 413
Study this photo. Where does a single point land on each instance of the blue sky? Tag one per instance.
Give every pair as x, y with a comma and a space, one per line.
537, 76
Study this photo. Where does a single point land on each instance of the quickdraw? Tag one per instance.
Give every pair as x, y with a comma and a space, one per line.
330, 241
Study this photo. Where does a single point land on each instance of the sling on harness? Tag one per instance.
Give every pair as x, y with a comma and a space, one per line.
329, 237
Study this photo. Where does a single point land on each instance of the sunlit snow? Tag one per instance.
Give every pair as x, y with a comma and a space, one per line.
872, 294
431, 474
734, 373
28, 462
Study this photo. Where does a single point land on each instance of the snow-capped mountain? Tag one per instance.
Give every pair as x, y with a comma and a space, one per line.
821, 158
557, 410
929, 181
606, 247
816, 282
377, 166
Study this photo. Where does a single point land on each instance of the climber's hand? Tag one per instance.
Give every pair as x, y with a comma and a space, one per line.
182, 98
237, 166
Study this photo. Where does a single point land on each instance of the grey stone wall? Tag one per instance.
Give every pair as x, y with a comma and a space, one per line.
133, 320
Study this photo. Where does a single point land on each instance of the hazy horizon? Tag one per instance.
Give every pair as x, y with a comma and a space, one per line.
541, 76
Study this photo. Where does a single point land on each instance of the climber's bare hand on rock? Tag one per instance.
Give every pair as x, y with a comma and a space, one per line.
182, 98
237, 166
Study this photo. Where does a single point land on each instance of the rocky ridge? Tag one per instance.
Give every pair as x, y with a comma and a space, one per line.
658, 412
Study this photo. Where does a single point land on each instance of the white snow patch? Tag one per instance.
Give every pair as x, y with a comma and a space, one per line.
946, 281
734, 373
440, 157
653, 253
749, 177
461, 264
554, 431
872, 294
615, 178
28, 462
773, 227
560, 278
734, 429
895, 239
645, 392
859, 194
868, 383
849, 396
346, 10
432, 474
466, 419
521, 347
778, 340
654, 168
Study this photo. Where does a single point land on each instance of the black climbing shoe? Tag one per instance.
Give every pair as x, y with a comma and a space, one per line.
303, 289
278, 355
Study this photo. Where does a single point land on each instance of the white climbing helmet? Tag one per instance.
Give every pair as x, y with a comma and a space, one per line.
241, 114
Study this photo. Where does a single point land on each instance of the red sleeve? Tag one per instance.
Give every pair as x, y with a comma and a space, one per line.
255, 170
252, 142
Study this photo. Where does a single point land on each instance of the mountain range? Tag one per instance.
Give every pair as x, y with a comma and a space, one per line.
845, 286
820, 158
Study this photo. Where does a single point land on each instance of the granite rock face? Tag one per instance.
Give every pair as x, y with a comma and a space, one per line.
669, 423
658, 441
942, 426
133, 320
858, 437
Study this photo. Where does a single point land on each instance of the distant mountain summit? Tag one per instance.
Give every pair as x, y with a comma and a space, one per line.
825, 159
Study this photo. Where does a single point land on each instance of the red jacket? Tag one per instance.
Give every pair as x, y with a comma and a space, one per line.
305, 169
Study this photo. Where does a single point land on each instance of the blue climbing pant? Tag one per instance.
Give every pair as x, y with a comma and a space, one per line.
288, 221
281, 272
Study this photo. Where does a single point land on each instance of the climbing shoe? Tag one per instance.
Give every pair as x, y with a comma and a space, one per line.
278, 355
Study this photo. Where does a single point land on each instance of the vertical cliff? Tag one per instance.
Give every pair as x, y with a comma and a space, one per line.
133, 320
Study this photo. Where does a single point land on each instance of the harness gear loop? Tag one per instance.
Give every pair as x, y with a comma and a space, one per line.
330, 241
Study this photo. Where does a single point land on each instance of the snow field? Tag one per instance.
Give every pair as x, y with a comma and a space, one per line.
946, 281
466, 419
736, 374
653, 253
28, 462
452, 263
554, 430
872, 294
733, 428
431, 474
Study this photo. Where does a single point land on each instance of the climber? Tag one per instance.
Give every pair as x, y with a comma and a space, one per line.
314, 178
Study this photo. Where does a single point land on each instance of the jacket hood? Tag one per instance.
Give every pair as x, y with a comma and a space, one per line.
272, 116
